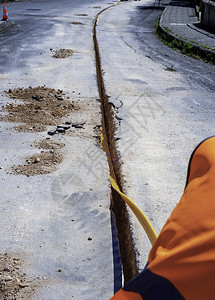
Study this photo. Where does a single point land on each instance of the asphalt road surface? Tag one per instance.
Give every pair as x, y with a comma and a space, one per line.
59, 224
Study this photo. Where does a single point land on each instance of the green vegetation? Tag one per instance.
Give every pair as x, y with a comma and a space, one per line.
171, 69
188, 48
167, 29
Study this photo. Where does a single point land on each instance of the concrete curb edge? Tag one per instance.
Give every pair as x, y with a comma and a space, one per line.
196, 49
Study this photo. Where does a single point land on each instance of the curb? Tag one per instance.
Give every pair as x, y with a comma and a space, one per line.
4, 25
204, 53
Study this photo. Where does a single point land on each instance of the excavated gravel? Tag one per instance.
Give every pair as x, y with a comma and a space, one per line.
35, 109
63, 53
14, 283
41, 106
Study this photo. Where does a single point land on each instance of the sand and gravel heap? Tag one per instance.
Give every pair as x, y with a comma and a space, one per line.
34, 109
63, 53
44, 162
37, 107
14, 283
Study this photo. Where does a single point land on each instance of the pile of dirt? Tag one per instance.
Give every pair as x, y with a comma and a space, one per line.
50, 145
41, 163
77, 23
63, 53
38, 108
14, 284
41, 106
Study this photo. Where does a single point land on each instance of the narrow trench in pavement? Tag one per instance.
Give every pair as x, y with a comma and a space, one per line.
118, 205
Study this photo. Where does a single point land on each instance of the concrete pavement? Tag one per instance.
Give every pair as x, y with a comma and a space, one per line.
59, 225
159, 106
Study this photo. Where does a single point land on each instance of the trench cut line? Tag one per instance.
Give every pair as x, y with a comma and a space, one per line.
117, 193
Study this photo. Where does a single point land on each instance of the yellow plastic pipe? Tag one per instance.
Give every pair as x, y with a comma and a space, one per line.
152, 235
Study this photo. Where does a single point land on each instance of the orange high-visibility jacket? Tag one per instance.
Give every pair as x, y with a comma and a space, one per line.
181, 264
